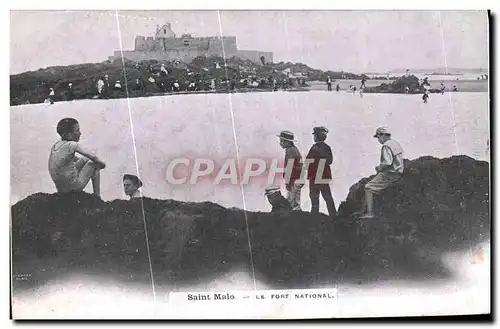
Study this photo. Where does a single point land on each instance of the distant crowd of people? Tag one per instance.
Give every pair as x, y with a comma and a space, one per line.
164, 81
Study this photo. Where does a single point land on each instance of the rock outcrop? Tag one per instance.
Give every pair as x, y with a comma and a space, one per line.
399, 85
439, 205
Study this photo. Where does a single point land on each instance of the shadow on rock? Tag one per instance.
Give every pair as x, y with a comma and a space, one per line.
438, 206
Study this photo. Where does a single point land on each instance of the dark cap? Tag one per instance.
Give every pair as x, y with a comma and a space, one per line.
320, 130
133, 178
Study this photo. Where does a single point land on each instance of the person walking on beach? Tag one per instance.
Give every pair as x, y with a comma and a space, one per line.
131, 186
329, 83
293, 168
338, 87
277, 201
425, 96
389, 170
69, 172
319, 171
363, 83
443, 88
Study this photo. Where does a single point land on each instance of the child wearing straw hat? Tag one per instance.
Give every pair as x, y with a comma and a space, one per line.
277, 201
389, 170
293, 168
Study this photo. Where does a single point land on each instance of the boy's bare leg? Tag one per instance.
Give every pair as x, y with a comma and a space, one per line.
96, 182
369, 202
91, 170
369, 205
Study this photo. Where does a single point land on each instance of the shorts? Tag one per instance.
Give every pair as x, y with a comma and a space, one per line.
72, 181
382, 181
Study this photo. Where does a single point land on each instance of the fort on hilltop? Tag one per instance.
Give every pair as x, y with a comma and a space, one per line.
166, 46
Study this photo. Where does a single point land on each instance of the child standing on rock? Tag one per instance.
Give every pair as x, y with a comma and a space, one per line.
69, 172
321, 156
293, 168
425, 97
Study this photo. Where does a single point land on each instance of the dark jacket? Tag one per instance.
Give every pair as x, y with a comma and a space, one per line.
281, 205
318, 151
293, 153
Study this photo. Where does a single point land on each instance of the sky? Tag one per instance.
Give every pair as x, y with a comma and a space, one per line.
354, 41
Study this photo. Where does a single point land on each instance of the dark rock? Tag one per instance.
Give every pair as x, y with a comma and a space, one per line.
438, 199
439, 205
34, 86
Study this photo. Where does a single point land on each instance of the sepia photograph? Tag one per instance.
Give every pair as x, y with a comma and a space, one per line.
249, 164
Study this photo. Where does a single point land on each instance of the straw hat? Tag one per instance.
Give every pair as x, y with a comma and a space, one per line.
270, 190
286, 135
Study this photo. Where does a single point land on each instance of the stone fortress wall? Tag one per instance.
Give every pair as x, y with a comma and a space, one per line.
165, 45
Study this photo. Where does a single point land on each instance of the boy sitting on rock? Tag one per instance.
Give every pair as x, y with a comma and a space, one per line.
389, 170
69, 172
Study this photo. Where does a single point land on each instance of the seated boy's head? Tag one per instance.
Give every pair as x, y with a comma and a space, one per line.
131, 184
69, 129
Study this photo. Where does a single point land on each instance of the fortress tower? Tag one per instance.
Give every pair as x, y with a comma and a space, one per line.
166, 45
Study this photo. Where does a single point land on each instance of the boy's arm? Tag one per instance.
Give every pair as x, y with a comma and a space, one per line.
387, 159
88, 154
312, 153
295, 154
329, 156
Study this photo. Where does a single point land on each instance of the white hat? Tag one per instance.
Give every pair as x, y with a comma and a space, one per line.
272, 190
382, 130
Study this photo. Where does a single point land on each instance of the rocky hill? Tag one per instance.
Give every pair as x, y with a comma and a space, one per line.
440, 205
34, 87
